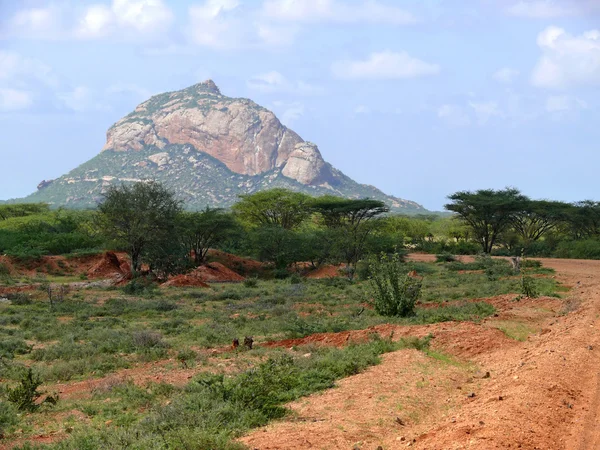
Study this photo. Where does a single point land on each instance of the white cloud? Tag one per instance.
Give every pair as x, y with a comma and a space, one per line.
121, 19
144, 16
131, 17
15, 99
564, 103
485, 110
369, 11
453, 115
81, 99
215, 24
275, 82
289, 112
567, 60
384, 65
97, 21
43, 22
506, 75
541, 9
19, 70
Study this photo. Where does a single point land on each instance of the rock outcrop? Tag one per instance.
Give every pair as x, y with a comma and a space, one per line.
247, 138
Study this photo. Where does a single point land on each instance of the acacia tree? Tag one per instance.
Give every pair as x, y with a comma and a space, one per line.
488, 212
538, 217
141, 218
584, 218
275, 207
352, 222
199, 231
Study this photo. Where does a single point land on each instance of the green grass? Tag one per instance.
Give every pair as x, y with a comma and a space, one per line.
212, 410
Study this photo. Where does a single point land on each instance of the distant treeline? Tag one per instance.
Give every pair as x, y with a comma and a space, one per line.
284, 227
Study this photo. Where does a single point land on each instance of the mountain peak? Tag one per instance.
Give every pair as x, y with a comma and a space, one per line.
208, 86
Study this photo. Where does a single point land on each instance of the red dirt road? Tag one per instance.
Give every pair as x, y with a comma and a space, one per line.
543, 393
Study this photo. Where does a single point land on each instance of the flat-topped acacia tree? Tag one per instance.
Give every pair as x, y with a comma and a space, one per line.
488, 212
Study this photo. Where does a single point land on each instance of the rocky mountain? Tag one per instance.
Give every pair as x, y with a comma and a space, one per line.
208, 148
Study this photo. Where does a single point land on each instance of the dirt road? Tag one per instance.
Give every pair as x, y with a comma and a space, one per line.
543, 393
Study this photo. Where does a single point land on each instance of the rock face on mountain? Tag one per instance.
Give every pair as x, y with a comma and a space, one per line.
208, 148
248, 139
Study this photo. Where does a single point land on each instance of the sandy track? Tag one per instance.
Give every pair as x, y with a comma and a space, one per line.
543, 393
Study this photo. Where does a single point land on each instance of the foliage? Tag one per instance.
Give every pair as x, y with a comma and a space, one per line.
200, 231
528, 287
352, 222
394, 292
24, 395
488, 212
273, 208
140, 218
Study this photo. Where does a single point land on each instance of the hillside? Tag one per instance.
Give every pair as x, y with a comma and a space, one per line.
209, 149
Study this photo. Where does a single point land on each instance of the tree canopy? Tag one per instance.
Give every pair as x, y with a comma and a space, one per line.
488, 212
140, 217
279, 207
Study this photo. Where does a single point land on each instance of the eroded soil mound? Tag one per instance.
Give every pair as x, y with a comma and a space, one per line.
110, 265
217, 273
238, 264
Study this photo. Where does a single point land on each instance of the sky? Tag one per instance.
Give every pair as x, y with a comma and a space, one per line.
420, 98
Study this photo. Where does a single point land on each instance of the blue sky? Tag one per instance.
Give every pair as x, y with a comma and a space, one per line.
420, 98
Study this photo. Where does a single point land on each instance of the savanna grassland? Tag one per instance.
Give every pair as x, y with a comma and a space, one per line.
142, 366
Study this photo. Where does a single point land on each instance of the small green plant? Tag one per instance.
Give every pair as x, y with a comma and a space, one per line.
531, 264
394, 292
251, 282
528, 287
295, 279
24, 396
4, 270
445, 257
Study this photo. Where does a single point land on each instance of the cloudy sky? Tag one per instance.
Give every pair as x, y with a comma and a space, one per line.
420, 98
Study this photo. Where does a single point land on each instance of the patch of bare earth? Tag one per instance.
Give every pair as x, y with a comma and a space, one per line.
542, 393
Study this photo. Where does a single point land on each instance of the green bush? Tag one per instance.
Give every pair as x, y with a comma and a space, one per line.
394, 292
531, 264
140, 286
9, 417
251, 282
24, 395
583, 249
529, 287
445, 257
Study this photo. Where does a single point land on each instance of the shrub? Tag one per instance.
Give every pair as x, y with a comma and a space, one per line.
148, 339
251, 282
140, 286
295, 279
445, 257
4, 270
19, 298
8, 417
395, 294
528, 287
531, 264
25, 394
9, 347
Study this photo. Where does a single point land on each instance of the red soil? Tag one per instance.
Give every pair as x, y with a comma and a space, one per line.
543, 393
217, 273
110, 265
327, 271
